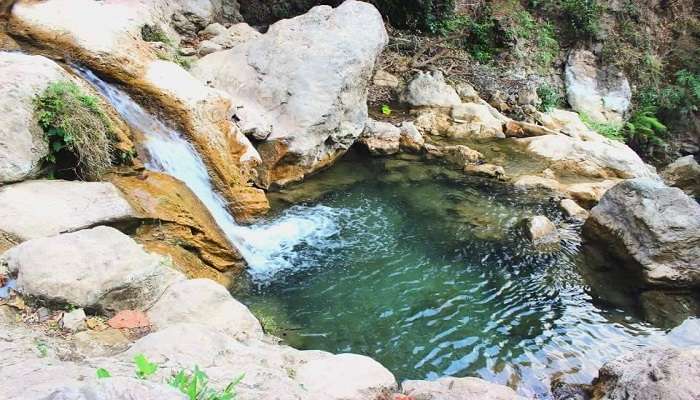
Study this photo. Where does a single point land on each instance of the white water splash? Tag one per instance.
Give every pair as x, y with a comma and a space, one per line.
267, 247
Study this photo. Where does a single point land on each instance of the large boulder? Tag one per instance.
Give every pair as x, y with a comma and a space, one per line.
99, 268
185, 301
602, 93
652, 229
35, 209
305, 110
457, 389
684, 173
429, 89
107, 37
652, 373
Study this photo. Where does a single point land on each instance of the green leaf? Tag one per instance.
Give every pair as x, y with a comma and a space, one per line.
103, 373
144, 368
386, 110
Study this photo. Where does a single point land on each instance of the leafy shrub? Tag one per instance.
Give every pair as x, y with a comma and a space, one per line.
424, 15
683, 95
482, 37
644, 130
76, 128
584, 16
549, 97
609, 130
196, 386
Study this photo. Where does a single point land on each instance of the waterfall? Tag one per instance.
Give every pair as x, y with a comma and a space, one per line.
268, 247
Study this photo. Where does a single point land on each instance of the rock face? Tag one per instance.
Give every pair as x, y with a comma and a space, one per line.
204, 302
99, 268
306, 111
684, 173
457, 389
653, 229
542, 232
41, 208
429, 89
653, 373
604, 94
381, 138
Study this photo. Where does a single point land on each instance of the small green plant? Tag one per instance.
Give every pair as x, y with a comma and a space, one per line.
154, 33
386, 110
609, 130
74, 124
144, 368
644, 130
41, 348
549, 97
196, 386
102, 373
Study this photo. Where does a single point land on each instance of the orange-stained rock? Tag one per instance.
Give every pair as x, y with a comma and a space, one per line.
176, 223
129, 319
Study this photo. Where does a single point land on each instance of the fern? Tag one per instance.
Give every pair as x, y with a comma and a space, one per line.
644, 128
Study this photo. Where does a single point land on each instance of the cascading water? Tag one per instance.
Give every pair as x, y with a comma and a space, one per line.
267, 246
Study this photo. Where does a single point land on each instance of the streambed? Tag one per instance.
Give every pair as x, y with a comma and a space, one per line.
426, 271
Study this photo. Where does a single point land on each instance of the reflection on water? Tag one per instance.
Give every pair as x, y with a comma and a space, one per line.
431, 276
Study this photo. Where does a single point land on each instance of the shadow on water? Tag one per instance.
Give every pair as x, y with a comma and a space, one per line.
427, 271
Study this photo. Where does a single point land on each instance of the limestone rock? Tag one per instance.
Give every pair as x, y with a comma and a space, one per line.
185, 301
217, 37
73, 321
604, 93
41, 208
98, 268
429, 89
486, 170
542, 232
573, 210
461, 155
93, 343
684, 173
530, 182
588, 194
467, 93
653, 229
118, 388
433, 122
385, 79
411, 139
474, 120
457, 389
307, 111
652, 373
381, 138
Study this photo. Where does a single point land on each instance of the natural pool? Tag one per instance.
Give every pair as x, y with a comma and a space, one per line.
427, 272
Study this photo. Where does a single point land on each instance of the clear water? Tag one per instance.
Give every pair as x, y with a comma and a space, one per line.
428, 273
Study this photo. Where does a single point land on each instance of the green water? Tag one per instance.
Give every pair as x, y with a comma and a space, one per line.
427, 272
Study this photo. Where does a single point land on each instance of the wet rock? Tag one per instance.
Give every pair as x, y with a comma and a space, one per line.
385, 79
411, 139
461, 155
118, 388
381, 138
99, 268
457, 389
542, 232
486, 170
654, 230
603, 93
570, 391
532, 182
474, 120
73, 321
668, 309
684, 173
429, 89
307, 112
74, 205
186, 300
651, 373
573, 210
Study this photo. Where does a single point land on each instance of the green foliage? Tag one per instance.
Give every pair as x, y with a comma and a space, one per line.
482, 38
549, 97
102, 373
75, 124
609, 130
425, 15
683, 95
196, 386
144, 368
582, 16
386, 110
644, 130
154, 33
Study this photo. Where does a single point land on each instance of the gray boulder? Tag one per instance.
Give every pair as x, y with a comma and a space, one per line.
302, 86
652, 229
542, 232
652, 373
684, 173
457, 389
42, 208
429, 89
381, 138
99, 268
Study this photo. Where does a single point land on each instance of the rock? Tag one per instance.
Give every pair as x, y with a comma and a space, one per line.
207, 47
345, 377
74, 321
308, 112
604, 93
411, 139
474, 120
75, 205
588, 194
432, 122
187, 51
486, 170
521, 129
118, 388
381, 138
457, 389
92, 343
129, 319
461, 155
185, 230
98, 268
668, 309
186, 301
599, 158
429, 89
542, 232
529, 182
684, 173
385, 79
212, 30
528, 96
573, 210
652, 373
467, 93
654, 230
568, 123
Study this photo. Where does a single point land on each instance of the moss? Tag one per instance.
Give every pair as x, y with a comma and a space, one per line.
154, 33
